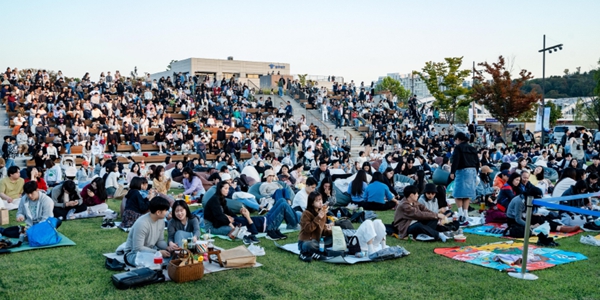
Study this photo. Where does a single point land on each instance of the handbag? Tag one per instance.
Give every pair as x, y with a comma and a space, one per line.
114, 265
137, 278
353, 245
185, 268
43, 233
389, 253
238, 257
339, 241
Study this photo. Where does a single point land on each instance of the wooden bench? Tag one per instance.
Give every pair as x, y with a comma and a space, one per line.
130, 148
363, 129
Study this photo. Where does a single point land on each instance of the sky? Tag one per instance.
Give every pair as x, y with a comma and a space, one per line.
359, 40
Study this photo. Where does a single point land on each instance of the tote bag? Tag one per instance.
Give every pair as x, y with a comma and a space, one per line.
43, 233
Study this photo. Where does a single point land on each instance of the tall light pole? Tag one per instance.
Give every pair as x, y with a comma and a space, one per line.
543, 50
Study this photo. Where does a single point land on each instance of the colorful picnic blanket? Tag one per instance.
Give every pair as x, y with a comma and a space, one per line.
495, 230
506, 256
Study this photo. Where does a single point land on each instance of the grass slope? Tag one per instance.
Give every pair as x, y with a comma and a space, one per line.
78, 272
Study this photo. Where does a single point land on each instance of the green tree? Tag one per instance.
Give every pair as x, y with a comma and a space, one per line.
502, 95
394, 87
302, 78
462, 114
444, 81
171, 63
555, 113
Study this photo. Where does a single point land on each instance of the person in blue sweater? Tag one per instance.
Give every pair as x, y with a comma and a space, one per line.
357, 188
378, 195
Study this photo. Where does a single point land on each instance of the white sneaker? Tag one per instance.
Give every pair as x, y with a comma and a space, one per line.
589, 240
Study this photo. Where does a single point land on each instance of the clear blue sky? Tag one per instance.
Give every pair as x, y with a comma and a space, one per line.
359, 40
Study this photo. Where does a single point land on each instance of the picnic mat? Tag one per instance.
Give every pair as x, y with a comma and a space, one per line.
349, 260
506, 256
65, 241
483, 230
208, 267
282, 228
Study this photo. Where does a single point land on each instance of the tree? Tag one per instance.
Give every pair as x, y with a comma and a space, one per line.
394, 87
302, 78
555, 113
170, 64
444, 81
502, 96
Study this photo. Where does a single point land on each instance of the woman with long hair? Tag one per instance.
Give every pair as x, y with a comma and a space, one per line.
327, 191
508, 191
94, 197
192, 184
135, 203
135, 171
567, 179
378, 195
183, 225
34, 174
160, 182
67, 201
357, 187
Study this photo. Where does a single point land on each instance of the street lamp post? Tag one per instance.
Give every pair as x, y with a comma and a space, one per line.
543, 50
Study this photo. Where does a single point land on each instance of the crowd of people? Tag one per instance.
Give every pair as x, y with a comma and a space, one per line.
295, 165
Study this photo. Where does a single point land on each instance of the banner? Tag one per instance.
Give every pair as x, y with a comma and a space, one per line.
538, 119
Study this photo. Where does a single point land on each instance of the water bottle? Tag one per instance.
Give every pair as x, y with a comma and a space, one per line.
339, 214
322, 245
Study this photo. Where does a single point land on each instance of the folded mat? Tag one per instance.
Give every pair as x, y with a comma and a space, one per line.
282, 228
349, 260
492, 229
506, 256
208, 267
65, 241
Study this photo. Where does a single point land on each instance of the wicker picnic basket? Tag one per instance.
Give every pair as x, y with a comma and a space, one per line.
185, 268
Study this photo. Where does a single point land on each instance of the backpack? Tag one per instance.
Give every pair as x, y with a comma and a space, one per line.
137, 278
353, 245
44, 233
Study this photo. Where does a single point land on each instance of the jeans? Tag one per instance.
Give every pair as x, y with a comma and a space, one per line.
280, 91
312, 246
223, 230
9, 163
424, 227
136, 146
68, 148
110, 191
12, 106
250, 203
281, 210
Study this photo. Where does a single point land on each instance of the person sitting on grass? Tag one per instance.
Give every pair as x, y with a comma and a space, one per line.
184, 225
35, 206
192, 184
357, 187
508, 191
135, 204
33, 174
377, 193
220, 220
516, 219
147, 233
11, 188
111, 179
67, 200
414, 218
94, 196
272, 188
301, 198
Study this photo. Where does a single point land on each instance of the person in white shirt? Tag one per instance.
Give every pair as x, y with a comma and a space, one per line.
112, 180
301, 198
97, 151
148, 94
325, 111
22, 142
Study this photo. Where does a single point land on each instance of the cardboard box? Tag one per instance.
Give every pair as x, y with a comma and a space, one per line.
3, 216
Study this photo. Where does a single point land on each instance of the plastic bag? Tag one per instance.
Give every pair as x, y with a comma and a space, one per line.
544, 228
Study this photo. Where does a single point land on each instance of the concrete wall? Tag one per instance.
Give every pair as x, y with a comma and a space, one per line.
270, 81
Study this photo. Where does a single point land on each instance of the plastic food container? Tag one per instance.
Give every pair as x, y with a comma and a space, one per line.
460, 238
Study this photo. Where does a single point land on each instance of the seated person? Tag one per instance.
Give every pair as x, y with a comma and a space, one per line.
67, 200
357, 188
33, 174
485, 191
135, 203
377, 193
515, 215
184, 225
508, 191
94, 196
371, 234
34, 206
11, 188
429, 200
580, 187
147, 233
271, 188
300, 199
220, 220
160, 182
192, 184
327, 192
414, 218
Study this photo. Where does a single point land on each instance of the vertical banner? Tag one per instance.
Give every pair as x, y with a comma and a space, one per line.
470, 115
538, 119
546, 118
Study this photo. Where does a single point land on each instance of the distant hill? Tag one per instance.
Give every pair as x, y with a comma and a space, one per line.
569, 85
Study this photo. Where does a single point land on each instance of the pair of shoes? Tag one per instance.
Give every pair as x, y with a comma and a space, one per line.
71, 214
281, 235
275, 235
305, 257
250, 239
589, 240
108, 224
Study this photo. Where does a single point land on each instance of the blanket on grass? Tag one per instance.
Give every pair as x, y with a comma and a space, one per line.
65, 241
506, 256
208, 267
348, 260
495, 230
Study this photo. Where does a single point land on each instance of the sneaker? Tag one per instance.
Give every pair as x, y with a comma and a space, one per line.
247, 240
71, 214
108, 224
281, 235
318, 256
589, 240
263, 211
254, 239
305, 257
273, 236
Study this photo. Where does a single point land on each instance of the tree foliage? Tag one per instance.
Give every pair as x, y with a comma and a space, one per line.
555, 113
171, 63
502, 95
575, 84
394, 87
445, 83
302, 78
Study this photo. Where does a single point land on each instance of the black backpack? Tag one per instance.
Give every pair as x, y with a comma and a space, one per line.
137, 278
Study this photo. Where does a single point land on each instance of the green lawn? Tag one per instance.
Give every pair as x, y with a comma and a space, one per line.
78, 272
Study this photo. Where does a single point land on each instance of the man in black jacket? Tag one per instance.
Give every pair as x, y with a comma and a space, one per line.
465, 164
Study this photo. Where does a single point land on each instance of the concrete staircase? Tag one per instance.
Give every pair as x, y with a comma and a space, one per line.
327, 127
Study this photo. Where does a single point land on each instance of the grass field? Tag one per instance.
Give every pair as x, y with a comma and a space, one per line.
78, 272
